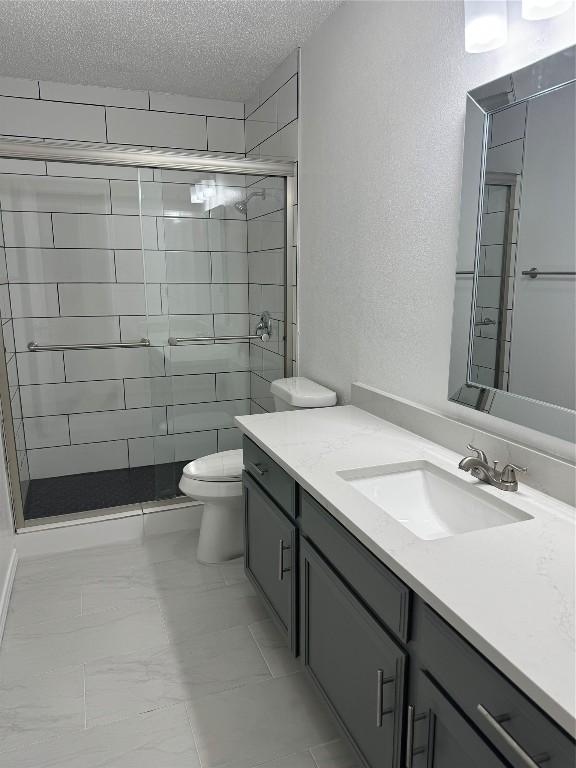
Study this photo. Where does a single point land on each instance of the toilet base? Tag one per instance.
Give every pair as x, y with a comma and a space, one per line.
221, 531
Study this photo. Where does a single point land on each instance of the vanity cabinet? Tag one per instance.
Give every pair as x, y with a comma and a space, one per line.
405, 687
437, 735
270, 558
512, 723
357, 667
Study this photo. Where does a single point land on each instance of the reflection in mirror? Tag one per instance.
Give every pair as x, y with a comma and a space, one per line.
514, 333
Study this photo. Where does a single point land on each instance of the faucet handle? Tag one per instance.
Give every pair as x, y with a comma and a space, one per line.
509, 473
479, 453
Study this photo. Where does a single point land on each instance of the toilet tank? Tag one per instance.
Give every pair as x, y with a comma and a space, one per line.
298, 392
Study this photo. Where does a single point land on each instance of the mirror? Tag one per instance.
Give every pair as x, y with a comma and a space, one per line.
514, 328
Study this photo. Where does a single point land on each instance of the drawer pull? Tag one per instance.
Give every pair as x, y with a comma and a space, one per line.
381, 681
494, 723
281, 569
258, 470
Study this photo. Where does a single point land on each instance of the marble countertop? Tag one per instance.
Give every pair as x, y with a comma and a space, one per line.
508, 590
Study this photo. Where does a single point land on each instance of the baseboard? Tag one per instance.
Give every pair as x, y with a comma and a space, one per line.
7, 591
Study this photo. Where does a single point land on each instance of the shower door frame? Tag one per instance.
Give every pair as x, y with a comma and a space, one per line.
117, 155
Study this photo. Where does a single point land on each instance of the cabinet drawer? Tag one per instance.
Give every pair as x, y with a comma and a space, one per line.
376, 585
277, 483
491, 701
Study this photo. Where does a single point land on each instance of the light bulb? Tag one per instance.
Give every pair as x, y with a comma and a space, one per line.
486, 25
536, 10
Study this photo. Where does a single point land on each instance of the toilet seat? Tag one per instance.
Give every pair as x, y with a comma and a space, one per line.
222, 467
211, 490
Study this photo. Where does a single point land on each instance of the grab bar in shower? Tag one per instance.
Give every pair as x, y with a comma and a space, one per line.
34, 347
533, 272
178, 341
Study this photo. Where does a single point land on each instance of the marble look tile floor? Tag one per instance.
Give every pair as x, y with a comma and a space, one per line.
137, 656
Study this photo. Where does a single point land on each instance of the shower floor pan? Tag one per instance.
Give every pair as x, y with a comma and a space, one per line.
91, 491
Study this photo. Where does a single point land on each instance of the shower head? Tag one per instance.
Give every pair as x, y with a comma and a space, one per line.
242, 205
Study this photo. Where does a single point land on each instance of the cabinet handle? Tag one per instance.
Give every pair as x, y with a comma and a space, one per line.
381, 681
523, 756
409, 736
257, 469
281, 570
410, 750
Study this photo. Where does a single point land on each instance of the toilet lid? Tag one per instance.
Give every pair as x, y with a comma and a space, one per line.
226, 465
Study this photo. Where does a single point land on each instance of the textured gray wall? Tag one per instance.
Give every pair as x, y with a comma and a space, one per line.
382, 123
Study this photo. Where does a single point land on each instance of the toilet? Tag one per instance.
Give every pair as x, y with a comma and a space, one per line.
216, 480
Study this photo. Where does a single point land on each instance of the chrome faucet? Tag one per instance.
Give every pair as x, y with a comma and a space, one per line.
479, 467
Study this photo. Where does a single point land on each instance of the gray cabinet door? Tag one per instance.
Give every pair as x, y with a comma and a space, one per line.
356, 665
270, 556
438, 736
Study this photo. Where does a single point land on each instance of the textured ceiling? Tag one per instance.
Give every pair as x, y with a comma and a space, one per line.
211, 48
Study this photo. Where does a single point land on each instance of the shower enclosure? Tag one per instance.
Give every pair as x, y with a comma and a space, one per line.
144, 305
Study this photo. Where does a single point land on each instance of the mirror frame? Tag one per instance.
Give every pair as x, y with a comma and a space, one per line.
543, 76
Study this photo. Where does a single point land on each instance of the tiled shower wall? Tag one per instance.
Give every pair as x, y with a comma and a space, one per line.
272, 132
71, 272
12, 368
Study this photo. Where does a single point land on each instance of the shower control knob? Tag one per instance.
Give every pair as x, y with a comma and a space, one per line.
265, 337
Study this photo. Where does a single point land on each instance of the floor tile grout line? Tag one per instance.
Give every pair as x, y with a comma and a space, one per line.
249, 627
194, 739
84, 696
312, 757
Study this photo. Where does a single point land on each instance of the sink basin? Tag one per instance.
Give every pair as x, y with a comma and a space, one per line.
429, 501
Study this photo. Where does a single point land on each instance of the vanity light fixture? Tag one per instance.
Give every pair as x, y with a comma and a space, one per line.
486, 25
536, 10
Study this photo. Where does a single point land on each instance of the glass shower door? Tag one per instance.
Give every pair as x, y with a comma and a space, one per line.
130, 300
212, 252
74, 304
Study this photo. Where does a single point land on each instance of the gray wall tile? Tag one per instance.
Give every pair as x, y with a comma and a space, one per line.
65, 330
78, 397
77, 459
46, 431
50, 120
44, 193
32, 230
117, 425
158, 129
225, 135
168, 102
54, 265
16, 86
92, 94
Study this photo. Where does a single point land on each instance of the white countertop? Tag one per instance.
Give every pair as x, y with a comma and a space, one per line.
508, 590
